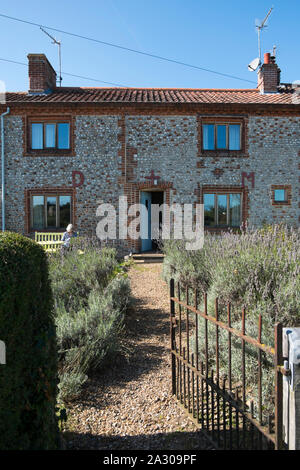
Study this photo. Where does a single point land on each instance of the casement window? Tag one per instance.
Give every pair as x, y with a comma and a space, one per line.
50, 135
222, 210
221, 136
51, 211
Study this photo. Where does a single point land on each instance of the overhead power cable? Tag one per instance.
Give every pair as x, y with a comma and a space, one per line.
67, 73
128, 49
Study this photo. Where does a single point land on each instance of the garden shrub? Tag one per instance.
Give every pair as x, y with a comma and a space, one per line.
258, 270
76, 275
28, 381
91, 293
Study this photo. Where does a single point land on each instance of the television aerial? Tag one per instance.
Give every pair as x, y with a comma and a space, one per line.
260, 25
254, 64
58, 43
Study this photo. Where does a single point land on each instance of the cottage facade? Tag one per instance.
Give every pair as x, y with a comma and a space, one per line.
69, 149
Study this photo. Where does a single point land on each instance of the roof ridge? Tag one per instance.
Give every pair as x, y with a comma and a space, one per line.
206, 90
247, 90
110, 95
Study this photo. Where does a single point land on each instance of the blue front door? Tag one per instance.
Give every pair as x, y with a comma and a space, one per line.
146, 242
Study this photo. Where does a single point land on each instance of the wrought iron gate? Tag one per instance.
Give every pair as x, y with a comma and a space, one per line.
229, 407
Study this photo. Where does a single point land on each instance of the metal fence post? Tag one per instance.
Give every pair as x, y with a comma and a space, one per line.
291, 388
278, 362
172, 334
2, 352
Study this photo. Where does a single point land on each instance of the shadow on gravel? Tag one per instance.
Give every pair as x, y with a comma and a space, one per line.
148, 357
146, 321
161, 441
140, 323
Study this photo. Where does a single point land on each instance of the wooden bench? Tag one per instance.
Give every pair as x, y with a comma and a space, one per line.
49, 241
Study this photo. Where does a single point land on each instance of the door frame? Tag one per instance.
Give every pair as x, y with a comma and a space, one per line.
146, 243
150, 191
133, 190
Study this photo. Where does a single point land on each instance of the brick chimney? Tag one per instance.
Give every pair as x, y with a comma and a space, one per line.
42, 76
269, 75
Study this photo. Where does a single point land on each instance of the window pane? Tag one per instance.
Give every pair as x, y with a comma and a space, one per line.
51, 211
208, 136
222, 209
234, 137
63, 136
221, 137
235, 210
50, 135
279, 195
38, 212
209, 210
64, 211
37, 136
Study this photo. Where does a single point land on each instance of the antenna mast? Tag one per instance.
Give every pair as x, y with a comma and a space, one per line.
56, 41
260, 27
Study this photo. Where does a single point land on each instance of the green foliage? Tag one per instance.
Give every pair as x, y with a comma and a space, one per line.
28, 381
75, 275
91, 294
70, 385
258, 270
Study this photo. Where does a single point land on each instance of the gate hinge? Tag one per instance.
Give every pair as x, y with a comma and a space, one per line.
286, 372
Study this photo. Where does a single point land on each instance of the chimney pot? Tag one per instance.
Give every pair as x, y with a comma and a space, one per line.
267, 56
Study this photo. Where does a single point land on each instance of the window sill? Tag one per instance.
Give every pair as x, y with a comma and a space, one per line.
47, 230
224, 153
49, 153
224, 228
283, 203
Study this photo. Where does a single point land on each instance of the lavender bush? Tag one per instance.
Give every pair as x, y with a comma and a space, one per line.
258, 270
91, 295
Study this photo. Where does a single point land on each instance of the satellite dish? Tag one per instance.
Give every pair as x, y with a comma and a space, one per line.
254, 64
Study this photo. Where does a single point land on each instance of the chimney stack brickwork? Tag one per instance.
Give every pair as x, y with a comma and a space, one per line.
42, 76
269, 75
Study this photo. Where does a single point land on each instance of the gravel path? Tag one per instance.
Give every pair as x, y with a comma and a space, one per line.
130, 405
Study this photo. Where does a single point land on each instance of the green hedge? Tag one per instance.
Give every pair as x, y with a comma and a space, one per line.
28, 381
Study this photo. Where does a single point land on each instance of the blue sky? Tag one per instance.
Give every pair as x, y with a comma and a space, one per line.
216, 34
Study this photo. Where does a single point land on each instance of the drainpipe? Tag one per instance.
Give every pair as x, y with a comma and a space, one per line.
2, 169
